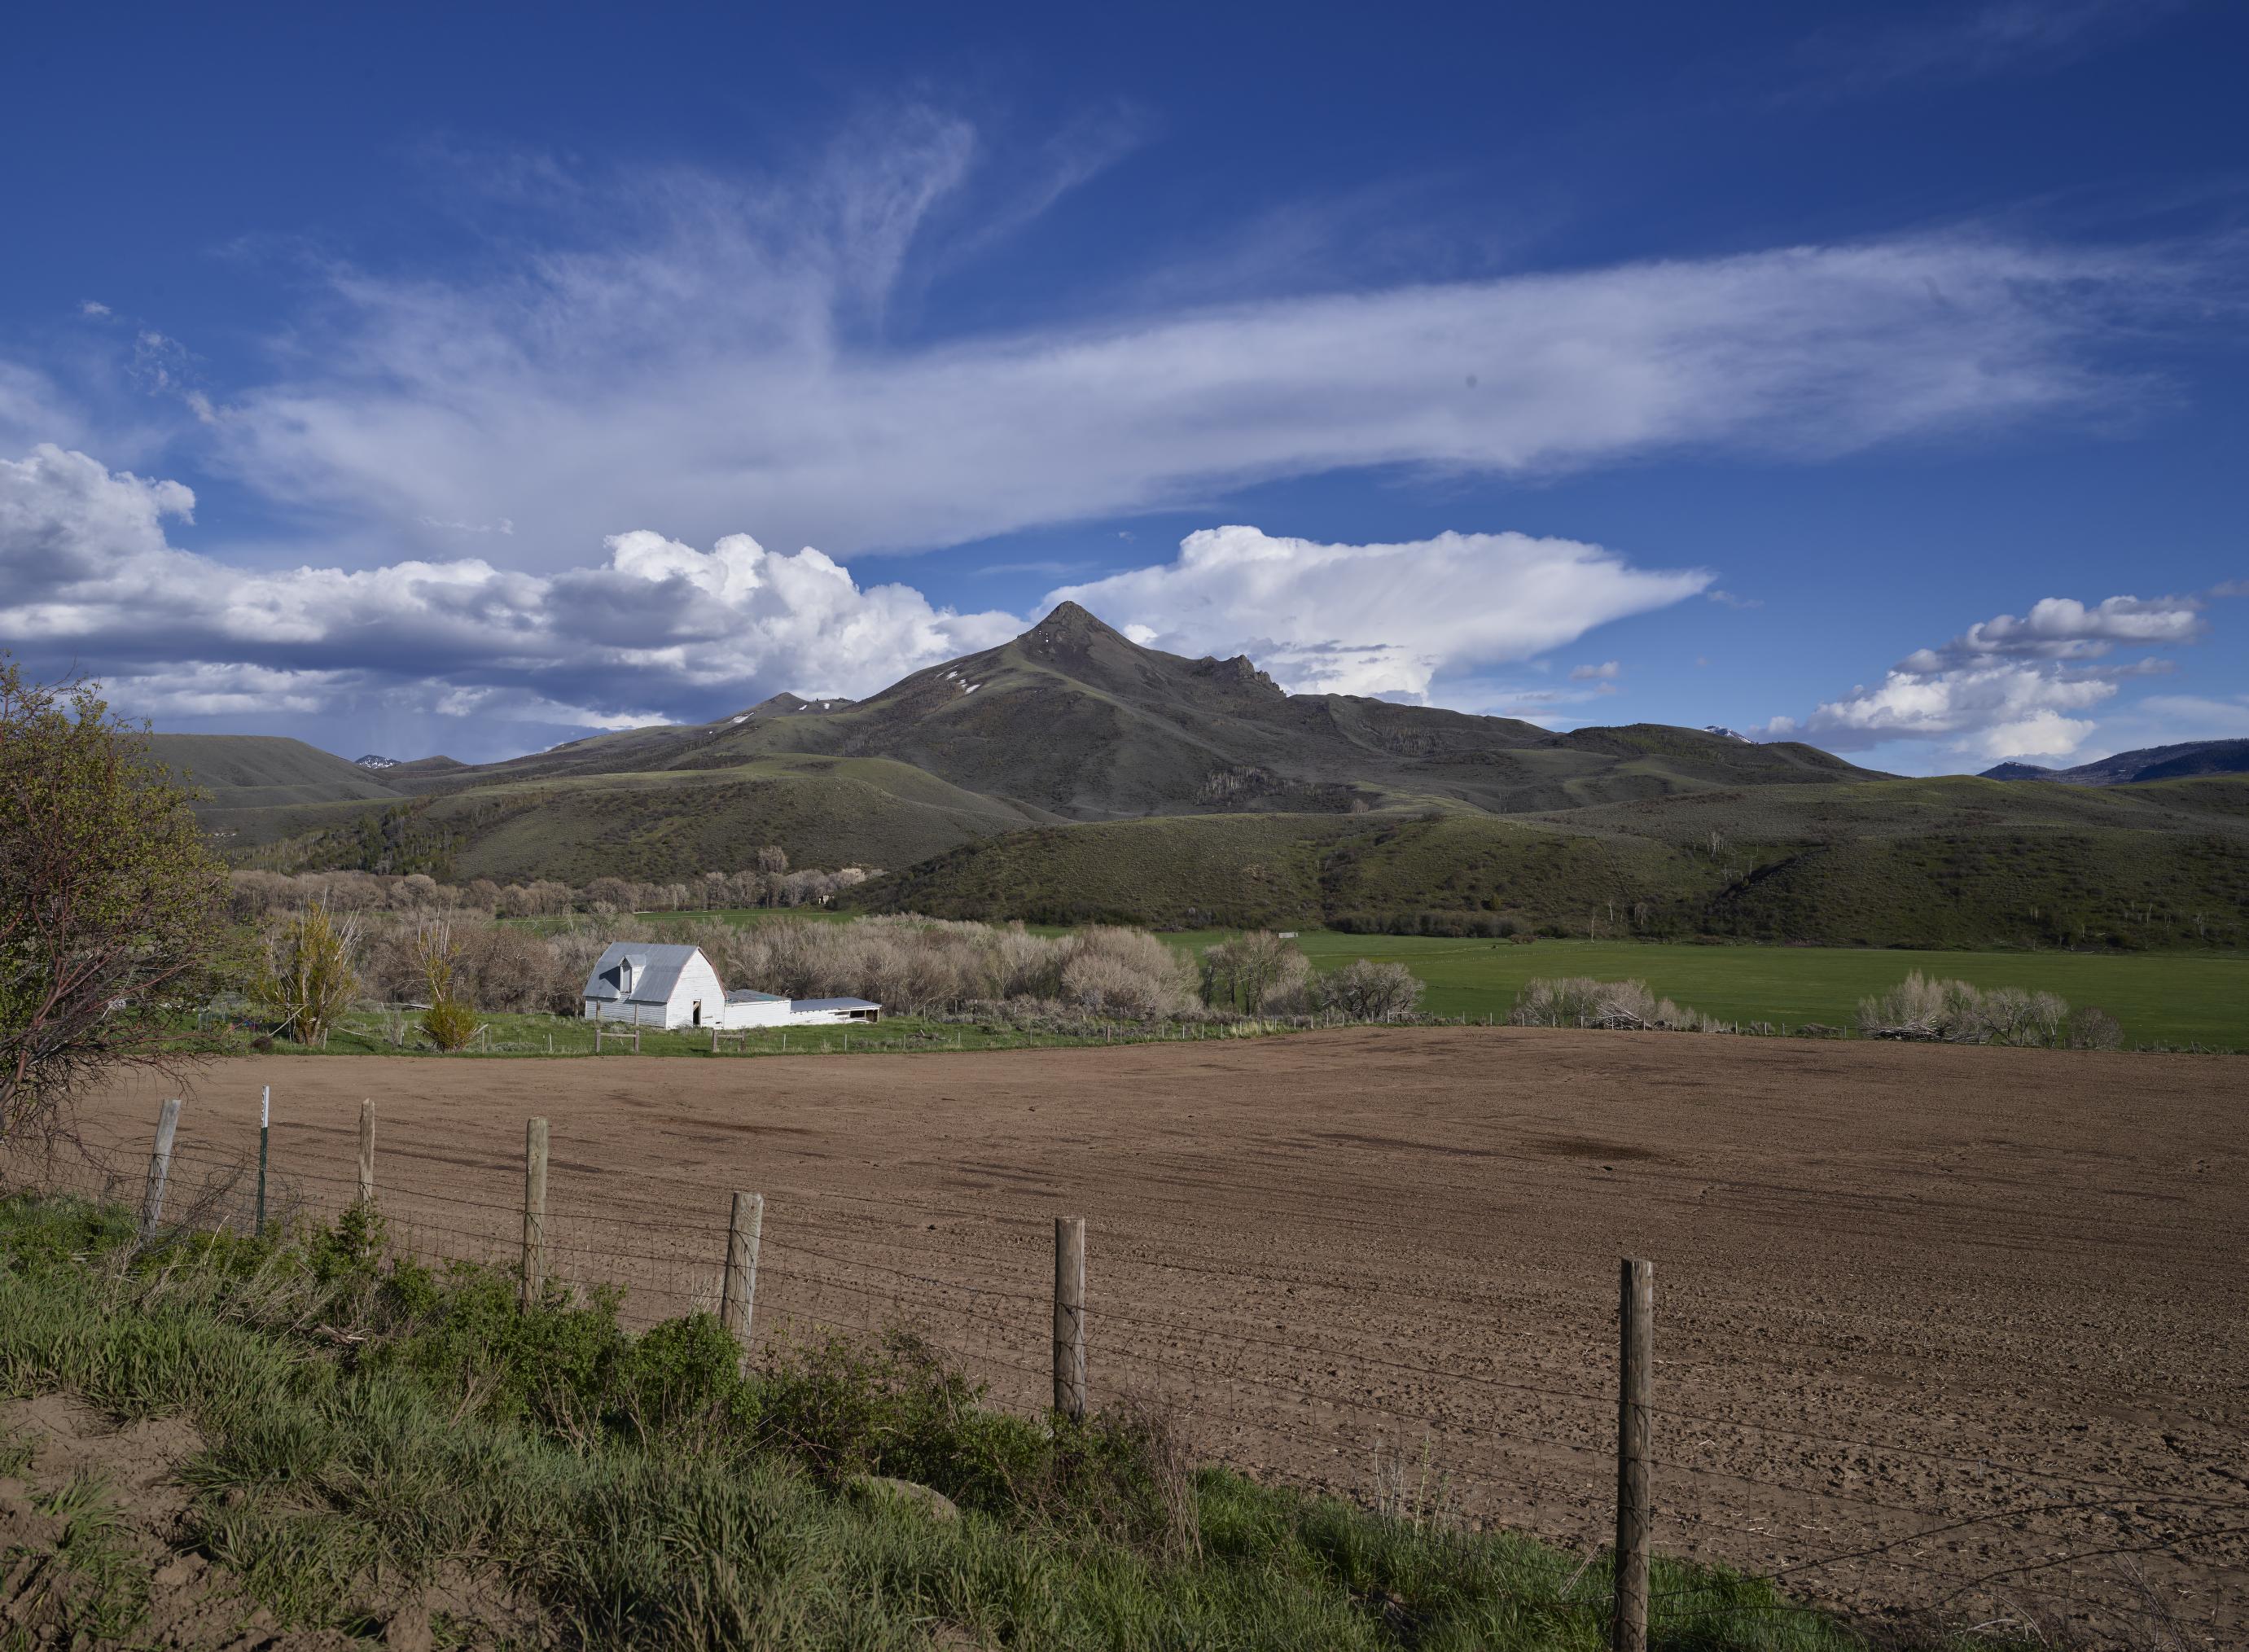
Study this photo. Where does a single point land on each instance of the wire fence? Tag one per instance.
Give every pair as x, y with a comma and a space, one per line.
1333, 1382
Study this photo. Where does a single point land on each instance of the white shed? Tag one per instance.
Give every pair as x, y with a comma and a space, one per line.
653, 984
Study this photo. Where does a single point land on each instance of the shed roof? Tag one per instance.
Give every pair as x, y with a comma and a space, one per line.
832, 1003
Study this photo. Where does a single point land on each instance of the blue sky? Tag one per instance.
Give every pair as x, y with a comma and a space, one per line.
457, 380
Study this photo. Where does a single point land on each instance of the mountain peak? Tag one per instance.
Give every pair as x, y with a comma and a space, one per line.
1069, 623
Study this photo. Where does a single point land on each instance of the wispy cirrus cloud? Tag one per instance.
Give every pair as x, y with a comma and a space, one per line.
731, 347
1969, 42
708, 351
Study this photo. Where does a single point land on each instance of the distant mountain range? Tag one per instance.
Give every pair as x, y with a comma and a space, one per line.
2150, 762
1072, 773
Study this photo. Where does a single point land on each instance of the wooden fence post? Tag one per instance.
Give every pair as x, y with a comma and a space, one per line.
160, 1169
367, 1150
534, 1212
1635, 1331
1069, 1316
738, 1292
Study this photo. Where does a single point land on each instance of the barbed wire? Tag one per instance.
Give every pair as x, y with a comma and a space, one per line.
972, 1323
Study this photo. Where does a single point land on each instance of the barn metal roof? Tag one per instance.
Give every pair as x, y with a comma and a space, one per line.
655, 971
832, 1003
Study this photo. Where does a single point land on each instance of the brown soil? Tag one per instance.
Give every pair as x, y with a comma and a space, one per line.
1936, 1327
191, 1607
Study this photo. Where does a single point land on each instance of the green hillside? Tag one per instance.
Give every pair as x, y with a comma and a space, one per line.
1071, 774
1878, 864
823, 811
264, 771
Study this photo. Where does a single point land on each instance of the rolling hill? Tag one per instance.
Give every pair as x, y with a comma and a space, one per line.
1071, 774
2150, 762
266, 771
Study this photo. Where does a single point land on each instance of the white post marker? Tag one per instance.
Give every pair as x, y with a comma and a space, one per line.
264, 1129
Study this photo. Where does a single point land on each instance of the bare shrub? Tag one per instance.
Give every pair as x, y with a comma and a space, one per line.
506, 968
2091, 1028
1579, 1000
2013, 1017
1366, 990
389, 970
392, 1020
1252, 972
571, 955
1129, 969
1921, 1010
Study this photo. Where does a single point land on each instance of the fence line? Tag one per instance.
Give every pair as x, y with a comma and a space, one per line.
766, 1259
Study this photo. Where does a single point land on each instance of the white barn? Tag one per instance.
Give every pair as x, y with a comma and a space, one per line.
656, 984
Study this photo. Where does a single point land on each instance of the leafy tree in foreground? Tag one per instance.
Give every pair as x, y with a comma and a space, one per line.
111, 904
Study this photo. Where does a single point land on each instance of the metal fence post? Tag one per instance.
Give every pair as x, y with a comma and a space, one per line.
264, 1133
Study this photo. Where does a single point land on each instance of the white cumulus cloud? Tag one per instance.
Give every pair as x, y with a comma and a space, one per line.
2010, 687
2061, 628
1377, 619
659, 627
2000, 710
87, 574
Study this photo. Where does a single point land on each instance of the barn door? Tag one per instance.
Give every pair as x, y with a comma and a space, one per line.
699, 1012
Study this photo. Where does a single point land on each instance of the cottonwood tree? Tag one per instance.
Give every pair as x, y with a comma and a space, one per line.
310, 973
450, 1021
1366, 990
1241, 974
111, 904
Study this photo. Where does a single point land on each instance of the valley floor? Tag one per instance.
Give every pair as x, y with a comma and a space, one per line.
1934, 1325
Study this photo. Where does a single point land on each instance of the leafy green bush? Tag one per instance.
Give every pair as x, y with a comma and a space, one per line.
450, 1023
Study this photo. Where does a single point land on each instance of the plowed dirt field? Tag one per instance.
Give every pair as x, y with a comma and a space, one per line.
1937, 1327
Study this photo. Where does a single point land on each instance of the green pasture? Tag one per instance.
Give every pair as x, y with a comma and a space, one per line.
2167, 998
2159, 998
367, 1033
